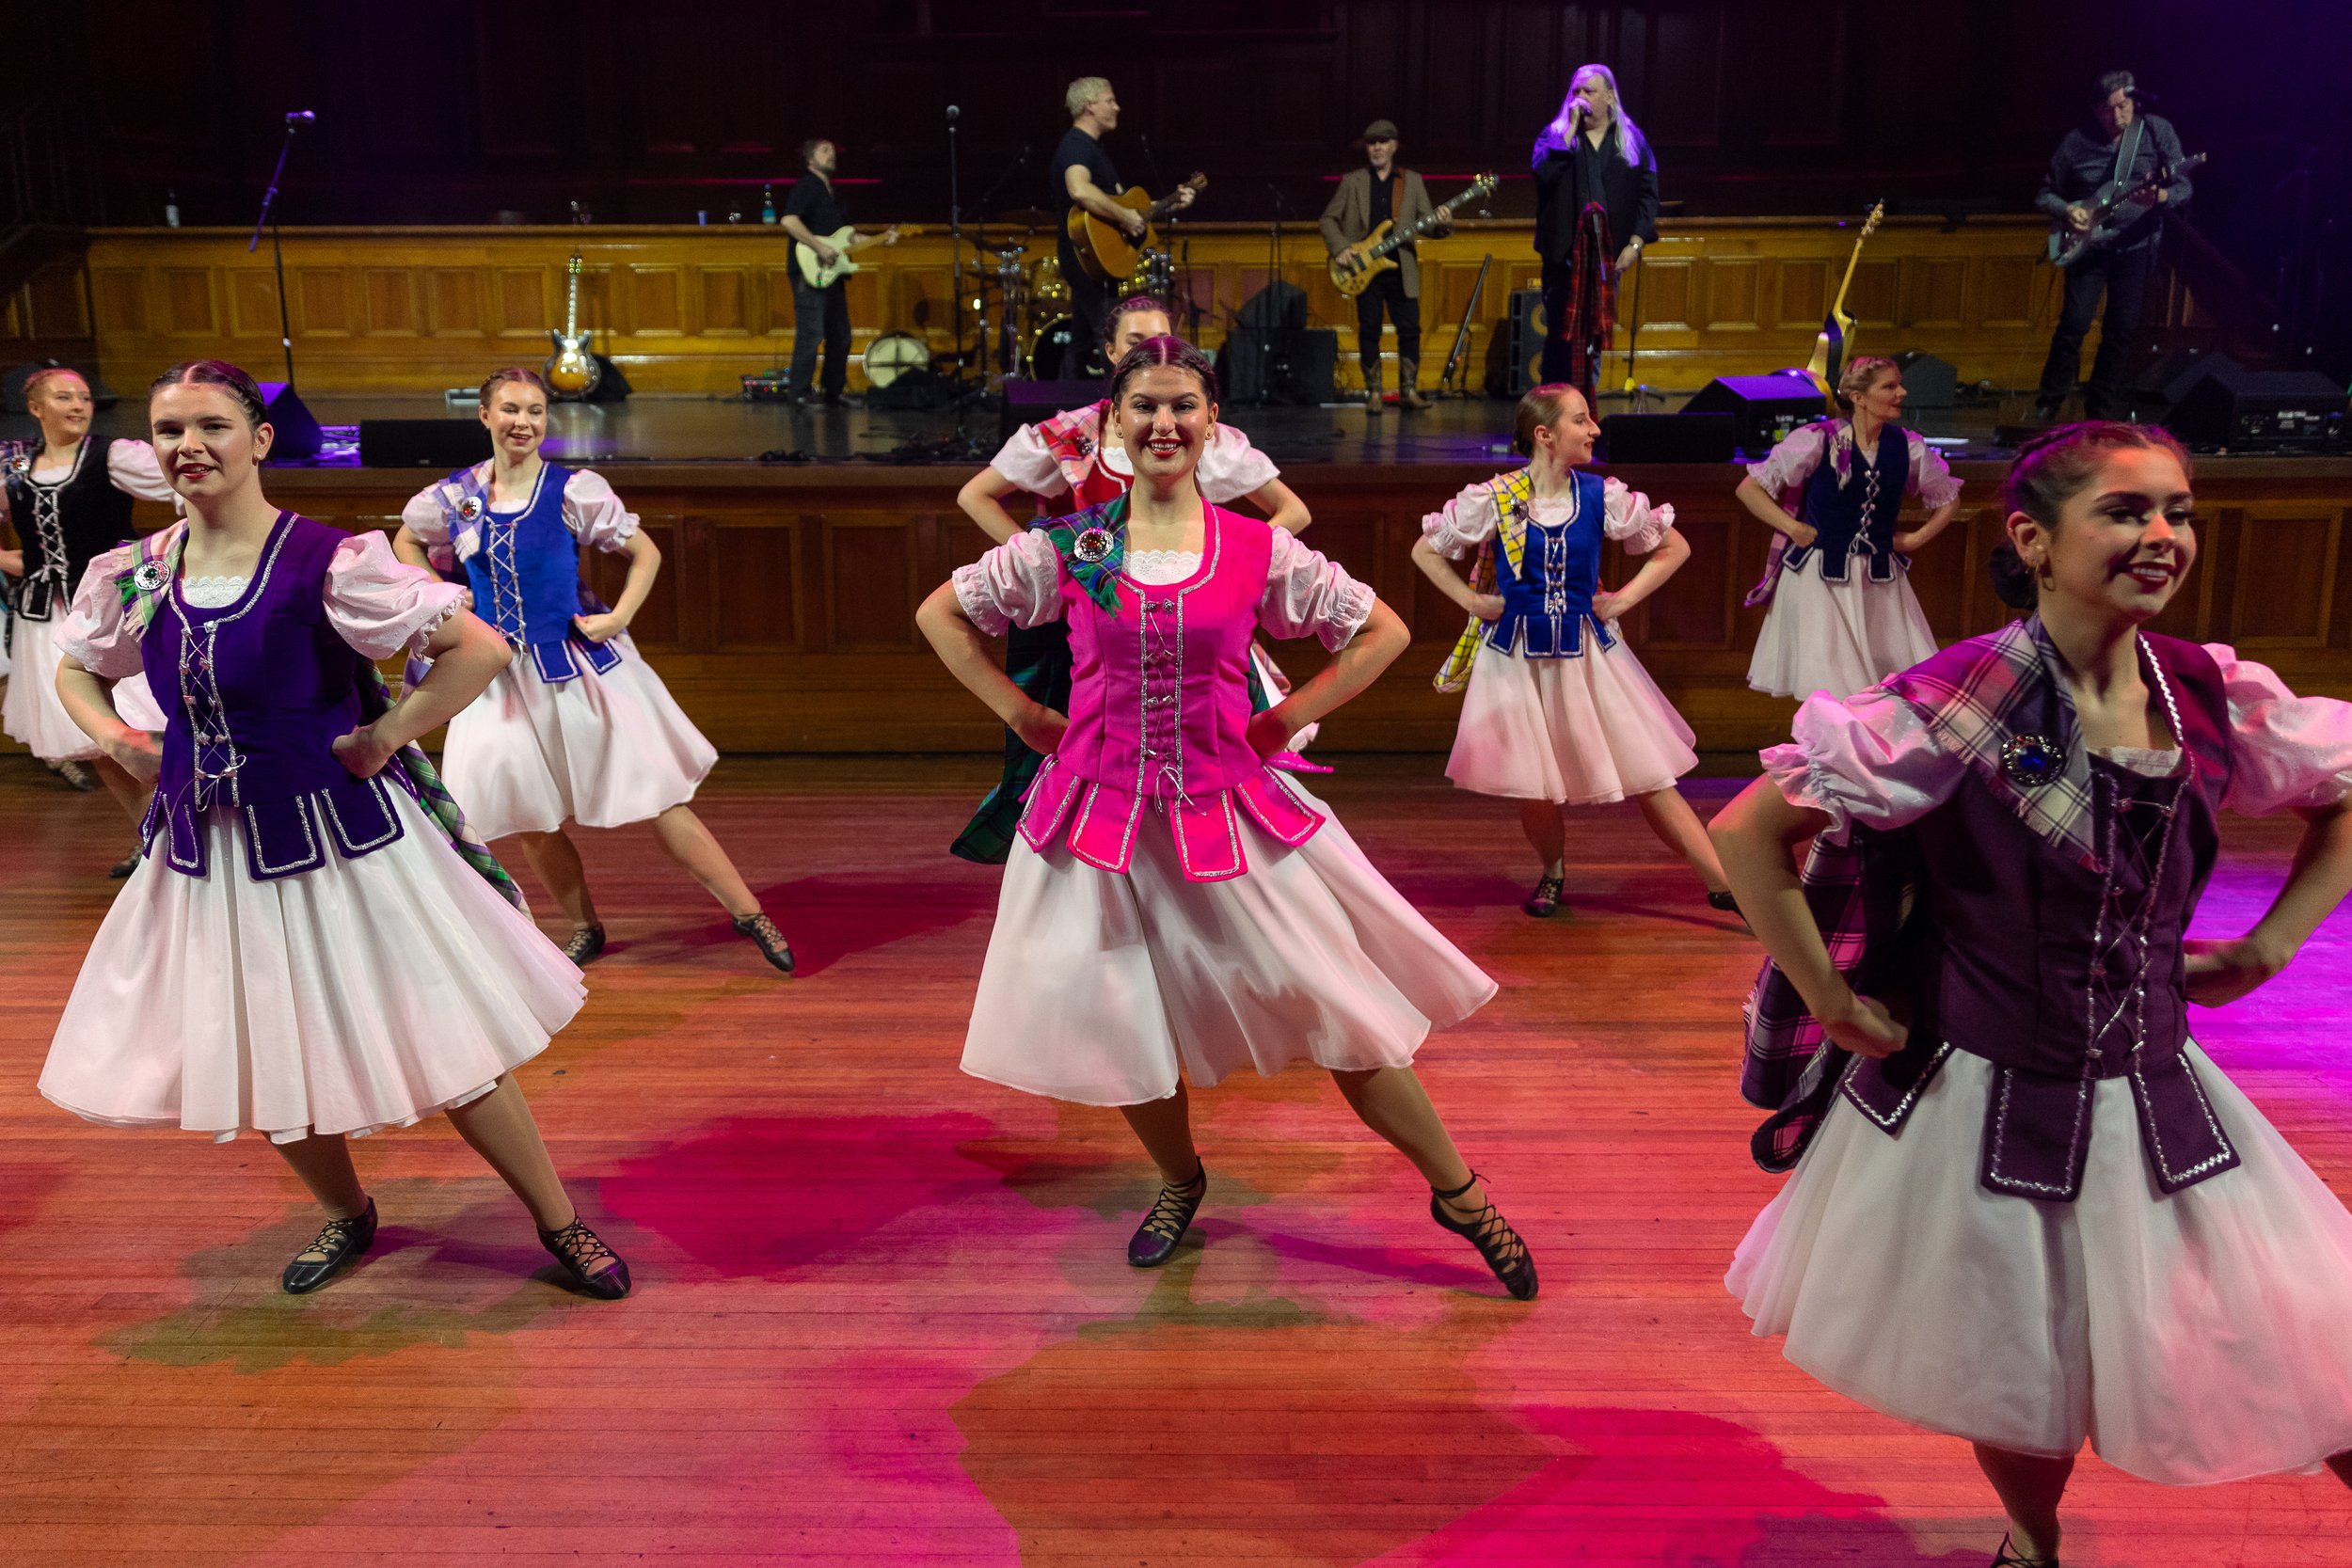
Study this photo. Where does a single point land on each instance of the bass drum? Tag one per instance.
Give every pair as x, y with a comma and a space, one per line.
1054, 353
893, 354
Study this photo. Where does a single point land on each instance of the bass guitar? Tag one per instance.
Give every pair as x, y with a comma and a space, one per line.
846, 242
572, 370
1105, 250
1837, 335
1353, 269
2116, 208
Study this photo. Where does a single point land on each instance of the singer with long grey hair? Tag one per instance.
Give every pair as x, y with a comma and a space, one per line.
1590, 154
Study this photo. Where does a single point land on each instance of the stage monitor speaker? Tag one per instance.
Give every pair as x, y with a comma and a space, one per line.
1666, 439
1524, 367
2284, 410
1928, 382
1763, 408
2168, 380
1027, 401
447, 445
296, 437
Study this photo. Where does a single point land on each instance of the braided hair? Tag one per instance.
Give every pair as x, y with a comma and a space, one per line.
2050, 469
1170, 350
220, 374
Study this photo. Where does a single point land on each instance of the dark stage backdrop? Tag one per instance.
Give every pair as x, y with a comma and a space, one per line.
438, 112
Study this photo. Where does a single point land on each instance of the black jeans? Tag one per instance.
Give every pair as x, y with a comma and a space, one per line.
820, 315
1386, 290
2123, 276
1091, 302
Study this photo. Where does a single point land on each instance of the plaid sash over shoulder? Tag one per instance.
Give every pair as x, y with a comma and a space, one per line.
1511, 493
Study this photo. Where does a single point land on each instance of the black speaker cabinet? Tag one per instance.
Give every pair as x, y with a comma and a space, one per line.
1763, 408
1529, 325
2282, 410
1314, 367
1928, 382
446, 445
1684, 437
2168, 380
295, 434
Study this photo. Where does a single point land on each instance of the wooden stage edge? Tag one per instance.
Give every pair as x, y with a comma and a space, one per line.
783, 618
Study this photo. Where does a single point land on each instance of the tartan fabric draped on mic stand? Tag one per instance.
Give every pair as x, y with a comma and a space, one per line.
1590, 316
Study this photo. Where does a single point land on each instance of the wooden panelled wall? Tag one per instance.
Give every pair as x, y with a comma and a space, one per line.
785, 616
693, 309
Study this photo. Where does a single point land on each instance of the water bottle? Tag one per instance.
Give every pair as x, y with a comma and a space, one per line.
171, 208
766, 204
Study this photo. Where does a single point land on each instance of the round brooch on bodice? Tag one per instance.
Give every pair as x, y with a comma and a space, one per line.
469, 509
147, 576
1093, 546
21, 464
1083, 445
2031, 761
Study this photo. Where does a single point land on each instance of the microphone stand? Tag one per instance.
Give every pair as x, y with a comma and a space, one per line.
1266, 301
277, 253
955, 251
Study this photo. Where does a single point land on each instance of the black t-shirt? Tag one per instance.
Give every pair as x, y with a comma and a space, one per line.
1383, 197
1080, 151
815, 203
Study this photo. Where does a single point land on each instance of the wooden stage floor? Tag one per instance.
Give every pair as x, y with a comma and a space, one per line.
883, 1313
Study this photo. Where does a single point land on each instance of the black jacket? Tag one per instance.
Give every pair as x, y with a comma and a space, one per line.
1629, 191
2085, 162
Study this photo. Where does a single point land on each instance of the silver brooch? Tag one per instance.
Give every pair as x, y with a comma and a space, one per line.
21, 464
1083, 445
1093, 546
2031, 761
468, 508
147, 576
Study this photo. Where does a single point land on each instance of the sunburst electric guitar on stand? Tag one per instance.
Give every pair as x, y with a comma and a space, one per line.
572, 370
1831, 344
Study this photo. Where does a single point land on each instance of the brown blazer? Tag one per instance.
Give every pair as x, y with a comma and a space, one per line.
1348, 218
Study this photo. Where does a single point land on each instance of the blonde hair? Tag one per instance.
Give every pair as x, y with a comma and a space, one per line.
40, 377
1859, 372
1540, 407
1083, 91
512, 372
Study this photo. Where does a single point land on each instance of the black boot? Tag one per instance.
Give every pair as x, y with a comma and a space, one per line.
597, 1269
763, 931
1492, 1235
339, 1246
1154, 1241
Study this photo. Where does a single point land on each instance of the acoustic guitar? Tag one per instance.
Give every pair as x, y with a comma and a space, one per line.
1353, 269
1103, 250
572, 370
1837, 334
846, 242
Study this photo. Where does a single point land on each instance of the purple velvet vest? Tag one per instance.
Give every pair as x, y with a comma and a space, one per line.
1159, 711
263, 687
2013, 954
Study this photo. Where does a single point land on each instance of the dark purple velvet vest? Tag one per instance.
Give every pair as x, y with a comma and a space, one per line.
263, 687
2013, 955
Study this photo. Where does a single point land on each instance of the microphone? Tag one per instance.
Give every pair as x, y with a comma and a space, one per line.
954, 114
301, 116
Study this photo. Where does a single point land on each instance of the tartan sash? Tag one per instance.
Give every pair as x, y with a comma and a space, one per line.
1512, 493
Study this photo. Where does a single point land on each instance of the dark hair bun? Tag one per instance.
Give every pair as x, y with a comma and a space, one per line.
2013, 580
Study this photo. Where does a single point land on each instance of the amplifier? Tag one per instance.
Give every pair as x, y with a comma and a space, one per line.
444, 444
1684, 437
1763, 408
2296, 410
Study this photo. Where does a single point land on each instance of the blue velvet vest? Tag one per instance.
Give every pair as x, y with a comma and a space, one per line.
1547, 600
524, 570
254, 695
1856, 516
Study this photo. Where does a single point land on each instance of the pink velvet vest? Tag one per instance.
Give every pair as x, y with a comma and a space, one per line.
1159, 715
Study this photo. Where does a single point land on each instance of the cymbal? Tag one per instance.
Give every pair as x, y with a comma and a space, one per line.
1028, 218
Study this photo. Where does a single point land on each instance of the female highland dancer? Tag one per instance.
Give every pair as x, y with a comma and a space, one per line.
1172, 908
579, 727
1843, 614
2032, 1211
68, 499
1559, 711
323, 950
1079, 454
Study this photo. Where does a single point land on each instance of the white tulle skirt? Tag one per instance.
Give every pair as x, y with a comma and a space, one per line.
365, 995
601, 751
2203, 1337
1102, 988
1838, 636
1581, 731
34, 715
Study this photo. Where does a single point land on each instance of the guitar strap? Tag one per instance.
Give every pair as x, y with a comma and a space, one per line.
2127, 152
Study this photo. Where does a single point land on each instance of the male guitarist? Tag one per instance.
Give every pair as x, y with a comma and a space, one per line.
2129, 146
815, 210
1378, 193
1084, 176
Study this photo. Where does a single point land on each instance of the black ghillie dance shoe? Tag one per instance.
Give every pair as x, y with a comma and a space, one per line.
771, 943
339, 1246
1492, 1235
595, 1268
1154, 1241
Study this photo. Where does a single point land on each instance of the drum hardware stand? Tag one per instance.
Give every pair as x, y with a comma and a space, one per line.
1267, 330
963, 443
1457, 359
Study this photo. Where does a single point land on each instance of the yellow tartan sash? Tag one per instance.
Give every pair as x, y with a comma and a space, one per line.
1510, 492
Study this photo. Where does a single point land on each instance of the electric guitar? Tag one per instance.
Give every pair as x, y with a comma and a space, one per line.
1353, 269
1837, 334
572, 370
1105, 250
2116, 208
846, 242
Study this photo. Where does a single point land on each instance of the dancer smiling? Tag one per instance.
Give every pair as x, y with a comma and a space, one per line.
578, 728
2035, 1212
315, 957
1172, 908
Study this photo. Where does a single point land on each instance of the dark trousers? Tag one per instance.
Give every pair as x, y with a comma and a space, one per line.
2123, 276
820, 315
1387, 291
1091, 302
